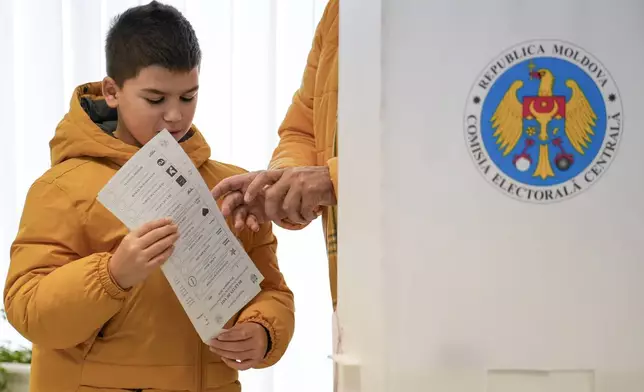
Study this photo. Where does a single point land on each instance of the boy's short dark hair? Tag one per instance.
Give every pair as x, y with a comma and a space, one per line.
151, 34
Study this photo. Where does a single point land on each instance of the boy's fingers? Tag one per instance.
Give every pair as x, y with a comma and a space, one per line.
252, 223
231, 184
236, 346
157, 235
234, 355
230, 202
235, 334
162, 258
240, 217
149, 226
161, 246
238, 366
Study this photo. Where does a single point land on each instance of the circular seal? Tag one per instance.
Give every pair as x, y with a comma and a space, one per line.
543, 121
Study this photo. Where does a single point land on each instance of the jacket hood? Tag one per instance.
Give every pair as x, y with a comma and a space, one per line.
87, 130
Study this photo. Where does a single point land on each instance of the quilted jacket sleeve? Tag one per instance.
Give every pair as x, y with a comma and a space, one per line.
297, 138
54, 297
273, 307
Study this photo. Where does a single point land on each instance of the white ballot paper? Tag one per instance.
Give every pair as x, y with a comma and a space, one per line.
210, 272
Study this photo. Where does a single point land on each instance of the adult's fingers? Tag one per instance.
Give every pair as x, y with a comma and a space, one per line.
261, 181
308, 208
292, 204
274, 199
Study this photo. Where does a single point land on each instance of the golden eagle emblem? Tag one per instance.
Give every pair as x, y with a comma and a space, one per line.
508, 122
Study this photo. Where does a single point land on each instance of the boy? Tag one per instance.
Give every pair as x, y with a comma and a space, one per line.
91, 296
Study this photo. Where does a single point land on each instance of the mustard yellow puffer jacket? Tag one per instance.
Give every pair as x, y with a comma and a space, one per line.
87, 333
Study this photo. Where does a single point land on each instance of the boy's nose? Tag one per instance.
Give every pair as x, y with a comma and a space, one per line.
172, 116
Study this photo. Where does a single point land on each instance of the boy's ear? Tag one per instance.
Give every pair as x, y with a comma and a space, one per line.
110, 92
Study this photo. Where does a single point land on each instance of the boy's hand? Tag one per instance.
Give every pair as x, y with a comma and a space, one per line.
142, 251
241, 347
232, 190
244, 215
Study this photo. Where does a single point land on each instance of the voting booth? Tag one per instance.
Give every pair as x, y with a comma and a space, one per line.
491, 196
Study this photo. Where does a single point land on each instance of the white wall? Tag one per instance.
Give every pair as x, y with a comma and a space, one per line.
466, 280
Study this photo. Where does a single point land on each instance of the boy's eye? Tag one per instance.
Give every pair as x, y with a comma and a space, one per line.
187, 99
154, 101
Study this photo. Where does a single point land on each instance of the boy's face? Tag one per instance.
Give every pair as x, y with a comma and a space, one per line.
156, 99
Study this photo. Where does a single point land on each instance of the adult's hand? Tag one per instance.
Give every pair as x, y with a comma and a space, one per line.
293, 193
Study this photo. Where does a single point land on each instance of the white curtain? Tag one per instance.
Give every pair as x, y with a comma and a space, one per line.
254, 55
